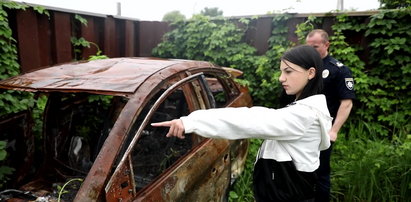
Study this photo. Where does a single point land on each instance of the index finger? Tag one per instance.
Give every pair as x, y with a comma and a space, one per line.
162, 124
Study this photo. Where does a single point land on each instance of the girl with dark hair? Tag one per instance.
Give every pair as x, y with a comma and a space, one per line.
294, 135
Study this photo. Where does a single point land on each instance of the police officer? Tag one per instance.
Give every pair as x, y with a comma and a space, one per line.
339, 91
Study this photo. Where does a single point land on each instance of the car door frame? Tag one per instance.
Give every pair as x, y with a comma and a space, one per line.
121, 184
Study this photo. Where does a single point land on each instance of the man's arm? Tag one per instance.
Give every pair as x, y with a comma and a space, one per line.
342, 115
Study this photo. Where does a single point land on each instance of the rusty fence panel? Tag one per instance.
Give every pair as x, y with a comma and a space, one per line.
44, 41
28, 39
149, 35
61, 46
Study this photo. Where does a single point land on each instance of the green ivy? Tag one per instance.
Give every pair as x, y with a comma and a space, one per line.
82, 20
80, 43
304, 28
204, 39
4, 170
10, 101
41, 10
388, 100
220, 42
395, 4
348, 54
267, 88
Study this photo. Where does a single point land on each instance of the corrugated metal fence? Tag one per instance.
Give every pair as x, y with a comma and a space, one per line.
45, 40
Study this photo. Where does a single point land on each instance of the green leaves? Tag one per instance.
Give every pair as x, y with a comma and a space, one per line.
80, 42
3, 152
81, 19
390, 56
219, 41
41, 10
4, 170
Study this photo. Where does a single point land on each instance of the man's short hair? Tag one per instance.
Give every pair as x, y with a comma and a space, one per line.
323, 33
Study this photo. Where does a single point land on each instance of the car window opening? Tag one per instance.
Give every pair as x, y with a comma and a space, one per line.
76, 128
154, 152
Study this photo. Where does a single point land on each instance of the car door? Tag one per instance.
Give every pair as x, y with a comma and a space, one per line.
157, 168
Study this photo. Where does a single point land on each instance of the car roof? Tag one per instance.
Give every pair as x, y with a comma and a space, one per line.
107, 76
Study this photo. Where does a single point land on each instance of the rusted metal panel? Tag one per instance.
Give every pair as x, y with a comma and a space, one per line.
239, 150
150, 34
190, 183
109, 37
88, 32
92, 187
119, 38
130, 39
328, 23
62, 34
250, 34
291, 24
122, 188
259, 33
263, 33
45, 40
28, 40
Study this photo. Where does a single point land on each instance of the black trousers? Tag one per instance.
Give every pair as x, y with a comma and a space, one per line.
281, 181
323, 189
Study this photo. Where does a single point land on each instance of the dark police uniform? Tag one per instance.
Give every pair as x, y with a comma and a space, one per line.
338, 85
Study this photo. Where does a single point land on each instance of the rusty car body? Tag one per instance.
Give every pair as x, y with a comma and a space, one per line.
96, 128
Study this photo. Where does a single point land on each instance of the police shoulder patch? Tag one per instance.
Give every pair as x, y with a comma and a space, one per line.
349, 83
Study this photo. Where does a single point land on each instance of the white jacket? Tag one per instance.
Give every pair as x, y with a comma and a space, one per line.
294, 133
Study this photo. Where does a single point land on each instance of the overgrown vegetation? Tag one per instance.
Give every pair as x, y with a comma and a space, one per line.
10, 101
4, 170
370, 162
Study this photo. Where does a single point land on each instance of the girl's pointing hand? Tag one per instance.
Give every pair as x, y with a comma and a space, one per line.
176, 128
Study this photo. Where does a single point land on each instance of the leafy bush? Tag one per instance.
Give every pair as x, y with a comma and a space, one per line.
388, 102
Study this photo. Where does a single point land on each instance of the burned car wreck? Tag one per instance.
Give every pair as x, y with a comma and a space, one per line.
96, 141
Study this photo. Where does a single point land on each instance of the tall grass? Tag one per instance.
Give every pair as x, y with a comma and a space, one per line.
365, 168
242, 190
